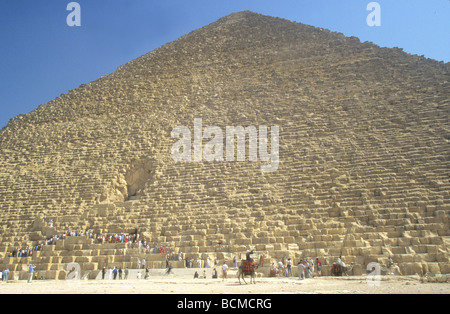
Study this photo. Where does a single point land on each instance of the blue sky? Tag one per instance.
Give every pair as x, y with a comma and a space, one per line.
42, 57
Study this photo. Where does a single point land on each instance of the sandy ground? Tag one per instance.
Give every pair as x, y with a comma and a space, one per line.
165, 285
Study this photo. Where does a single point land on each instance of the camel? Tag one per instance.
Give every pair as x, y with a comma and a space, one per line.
338, 270
247, 269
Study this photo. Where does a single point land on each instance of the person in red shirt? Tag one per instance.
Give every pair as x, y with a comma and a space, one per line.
319, 267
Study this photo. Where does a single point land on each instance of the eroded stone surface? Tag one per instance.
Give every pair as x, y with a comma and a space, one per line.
364, 154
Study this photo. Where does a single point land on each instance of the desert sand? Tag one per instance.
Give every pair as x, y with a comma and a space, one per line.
165, 285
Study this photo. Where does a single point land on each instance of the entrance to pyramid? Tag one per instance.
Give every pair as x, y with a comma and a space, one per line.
128, 186
137, 177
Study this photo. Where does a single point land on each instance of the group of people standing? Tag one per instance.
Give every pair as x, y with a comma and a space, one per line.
114, 273
306, 268
4, 274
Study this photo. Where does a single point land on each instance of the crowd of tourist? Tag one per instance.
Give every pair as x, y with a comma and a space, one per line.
306, 268
62, 236
28, 251
131, 240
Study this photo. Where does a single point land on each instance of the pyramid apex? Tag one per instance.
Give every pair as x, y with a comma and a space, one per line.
241, 16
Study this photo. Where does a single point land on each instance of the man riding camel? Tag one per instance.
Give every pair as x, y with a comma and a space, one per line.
248, 255
340, 262
248, 267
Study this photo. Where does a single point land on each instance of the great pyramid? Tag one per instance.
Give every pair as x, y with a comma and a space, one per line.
363, 156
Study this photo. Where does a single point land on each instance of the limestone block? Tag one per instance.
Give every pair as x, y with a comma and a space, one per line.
243, 241
63, 253
414, 268
434, 268
60, 244
107, 252
43, 259
442, 257
407, 258
155, 257
82, 259
404, 241
47, 254
326, 270
93, 274
56, 266
36, 236
260, 247
201, 243
377, 250
100, 259
357, 270
335, 251
47, 248
95, 252
444, 267
68, 259
62, 275
266, 240
51, 274
158, 265
281, 233
49, 232
177, 264
193, 249
441, 216
277, 246
289, 240
69, 247
48, 266
89, 267
79, 253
